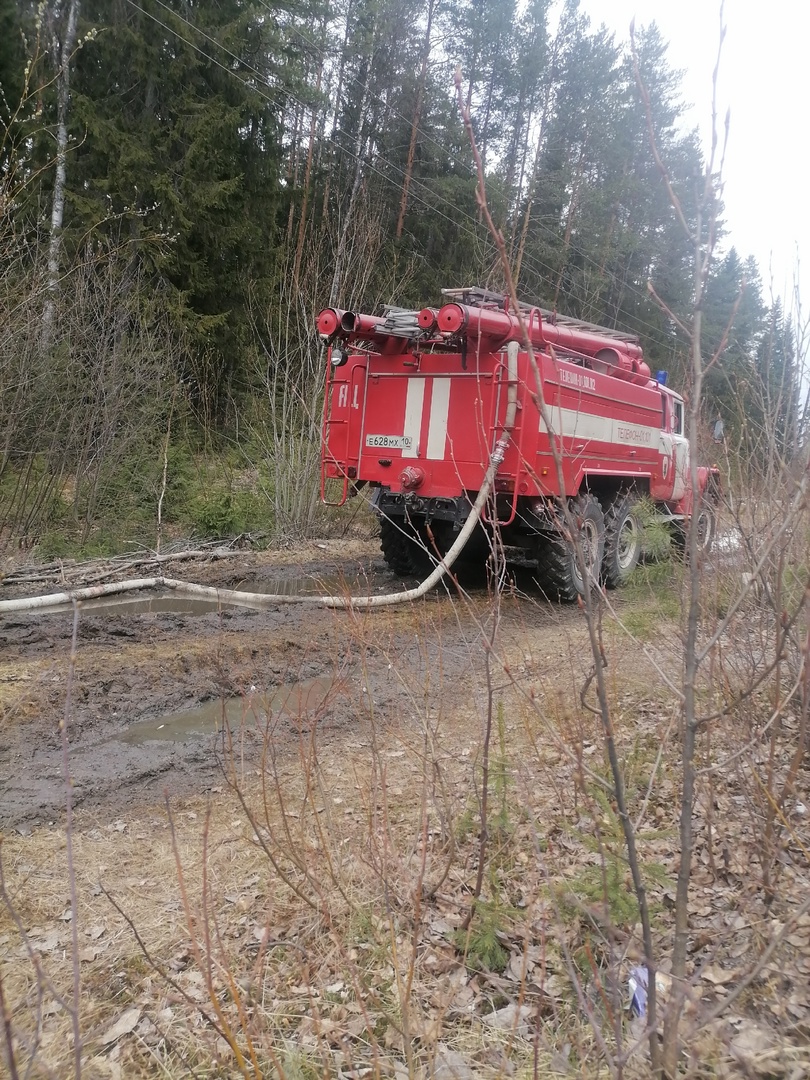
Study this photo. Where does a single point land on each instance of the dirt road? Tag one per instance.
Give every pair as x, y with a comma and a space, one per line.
153, 678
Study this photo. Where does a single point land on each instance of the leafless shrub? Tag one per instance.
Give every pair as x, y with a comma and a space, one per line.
79, 418
282, 429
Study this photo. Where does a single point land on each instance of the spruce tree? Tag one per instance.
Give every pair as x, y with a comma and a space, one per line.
12, 67
179, 146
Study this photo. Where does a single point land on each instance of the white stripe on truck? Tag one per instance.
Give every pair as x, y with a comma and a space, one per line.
574, 424
414, 403
439, 409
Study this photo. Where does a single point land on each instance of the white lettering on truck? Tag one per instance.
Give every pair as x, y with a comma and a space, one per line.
576, 378
629, 433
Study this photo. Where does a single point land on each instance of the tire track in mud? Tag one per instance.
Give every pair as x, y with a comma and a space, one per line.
136, 668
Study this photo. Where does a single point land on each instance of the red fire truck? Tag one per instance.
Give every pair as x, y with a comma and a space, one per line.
419, 403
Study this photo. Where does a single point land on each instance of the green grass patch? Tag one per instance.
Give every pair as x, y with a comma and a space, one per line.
651, 598
656, 537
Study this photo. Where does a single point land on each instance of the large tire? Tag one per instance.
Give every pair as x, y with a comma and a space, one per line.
707, 527
422, 553
623, 540
396, 545
407, 548
558, 571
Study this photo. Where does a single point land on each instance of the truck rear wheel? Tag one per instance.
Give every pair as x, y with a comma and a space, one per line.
558, 570
423, 552
623, 540
396, 545
407, 548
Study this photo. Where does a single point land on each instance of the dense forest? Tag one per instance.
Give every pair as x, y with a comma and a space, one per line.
184, 185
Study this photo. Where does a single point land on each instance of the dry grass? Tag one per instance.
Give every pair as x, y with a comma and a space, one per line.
310, 923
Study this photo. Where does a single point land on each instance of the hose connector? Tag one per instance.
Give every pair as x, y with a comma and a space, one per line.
499, 453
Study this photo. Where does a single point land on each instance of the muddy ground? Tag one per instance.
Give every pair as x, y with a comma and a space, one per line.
150, 684
357, 766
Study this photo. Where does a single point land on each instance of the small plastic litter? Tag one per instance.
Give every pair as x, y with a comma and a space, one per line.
637, 983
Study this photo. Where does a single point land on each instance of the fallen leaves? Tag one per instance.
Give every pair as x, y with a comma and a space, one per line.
366, 976
125, 1023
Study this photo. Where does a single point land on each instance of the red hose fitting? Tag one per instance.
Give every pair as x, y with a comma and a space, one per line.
411, 477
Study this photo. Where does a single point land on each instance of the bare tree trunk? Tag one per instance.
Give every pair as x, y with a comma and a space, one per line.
358, 176
516, 143
417, 118
476, 48
541, 134
524, 232
294, 164
488, 107
60, 57
573, 206
338, 95
703, 237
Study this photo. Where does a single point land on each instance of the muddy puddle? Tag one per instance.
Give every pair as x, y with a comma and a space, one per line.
293, 700
142, 603
142, 662
308, 585
139, 604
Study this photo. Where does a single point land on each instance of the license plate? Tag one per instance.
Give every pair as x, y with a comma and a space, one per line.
389, 442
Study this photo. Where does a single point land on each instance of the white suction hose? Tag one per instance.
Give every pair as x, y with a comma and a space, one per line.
263, 600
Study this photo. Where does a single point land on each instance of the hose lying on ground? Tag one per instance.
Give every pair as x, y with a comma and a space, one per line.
263, 600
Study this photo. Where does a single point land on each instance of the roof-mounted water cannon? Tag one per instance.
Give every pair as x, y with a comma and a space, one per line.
617, 363
351, 326
359, 326
348, 324
427, 319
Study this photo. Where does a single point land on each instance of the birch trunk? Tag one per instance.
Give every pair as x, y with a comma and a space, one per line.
61, 52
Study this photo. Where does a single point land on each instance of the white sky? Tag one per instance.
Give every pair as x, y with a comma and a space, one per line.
764, 79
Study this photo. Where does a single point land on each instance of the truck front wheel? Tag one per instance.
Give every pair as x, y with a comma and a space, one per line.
706, 528
623, 540
559, 573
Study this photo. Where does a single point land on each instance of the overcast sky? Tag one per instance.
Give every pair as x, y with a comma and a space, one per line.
764, 78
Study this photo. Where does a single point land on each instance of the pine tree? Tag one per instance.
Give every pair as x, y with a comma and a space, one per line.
733, 324
486, 31
776, 413
576, 168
